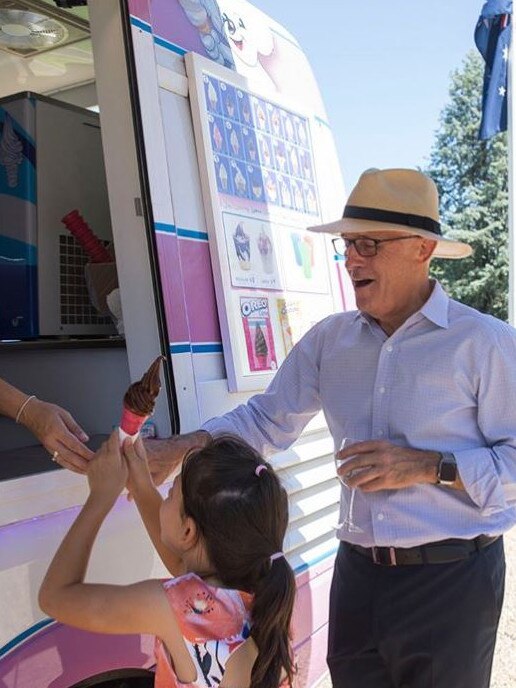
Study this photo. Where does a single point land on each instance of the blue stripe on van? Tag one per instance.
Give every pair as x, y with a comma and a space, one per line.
164, 227
313, 562
180, 348
23, 636
191, 234
213, 348
140, 24
163, 43
201, 348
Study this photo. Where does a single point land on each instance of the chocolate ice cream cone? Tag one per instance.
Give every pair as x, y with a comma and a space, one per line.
139, 402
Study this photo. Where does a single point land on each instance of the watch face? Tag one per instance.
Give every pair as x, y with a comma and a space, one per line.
447, 472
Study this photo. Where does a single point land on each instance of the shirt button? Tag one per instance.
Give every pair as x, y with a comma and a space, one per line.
389, 348
382, 390
380, 517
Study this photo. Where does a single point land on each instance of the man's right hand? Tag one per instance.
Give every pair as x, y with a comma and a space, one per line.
165, 456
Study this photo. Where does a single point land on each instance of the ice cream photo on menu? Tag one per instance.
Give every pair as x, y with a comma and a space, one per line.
261, 349
242, 247
266, 251
259, 338
239, 180
139, 401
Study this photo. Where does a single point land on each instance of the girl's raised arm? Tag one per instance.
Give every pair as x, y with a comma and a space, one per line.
148, 500
138, 608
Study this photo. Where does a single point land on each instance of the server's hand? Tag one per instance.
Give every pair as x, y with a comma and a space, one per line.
59, 433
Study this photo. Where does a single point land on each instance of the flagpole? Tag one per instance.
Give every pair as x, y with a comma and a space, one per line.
511, 142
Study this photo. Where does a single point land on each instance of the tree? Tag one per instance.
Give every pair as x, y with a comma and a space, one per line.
472, 178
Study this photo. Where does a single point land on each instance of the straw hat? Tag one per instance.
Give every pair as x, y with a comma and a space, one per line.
401, 200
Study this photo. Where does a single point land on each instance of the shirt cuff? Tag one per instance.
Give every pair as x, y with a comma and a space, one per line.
217, 426
480, 479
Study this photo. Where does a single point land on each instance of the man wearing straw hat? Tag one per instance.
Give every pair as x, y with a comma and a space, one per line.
427, 389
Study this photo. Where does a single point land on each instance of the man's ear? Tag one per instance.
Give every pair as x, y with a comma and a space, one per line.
426, 249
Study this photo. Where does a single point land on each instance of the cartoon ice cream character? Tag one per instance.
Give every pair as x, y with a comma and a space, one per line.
11, 152
217, 137
242, 247
266, 251
223, 176
251, 41
260, 346
205, 15
233, 140
212, 96
240, 182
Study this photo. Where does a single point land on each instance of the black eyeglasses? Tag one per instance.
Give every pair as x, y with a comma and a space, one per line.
364, 247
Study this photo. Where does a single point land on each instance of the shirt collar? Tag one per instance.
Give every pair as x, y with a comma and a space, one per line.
434, 309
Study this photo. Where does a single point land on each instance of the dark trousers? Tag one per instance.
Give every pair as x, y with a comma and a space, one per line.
421, 626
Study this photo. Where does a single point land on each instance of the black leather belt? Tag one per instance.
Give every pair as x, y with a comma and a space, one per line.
443, 552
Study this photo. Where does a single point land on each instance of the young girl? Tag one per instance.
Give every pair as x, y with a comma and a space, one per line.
224, 620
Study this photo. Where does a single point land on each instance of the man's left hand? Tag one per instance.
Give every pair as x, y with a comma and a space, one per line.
385, 466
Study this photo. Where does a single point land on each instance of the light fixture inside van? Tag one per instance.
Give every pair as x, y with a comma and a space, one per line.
28, 27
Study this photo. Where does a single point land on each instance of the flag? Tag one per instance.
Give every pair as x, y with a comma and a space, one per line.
493, 37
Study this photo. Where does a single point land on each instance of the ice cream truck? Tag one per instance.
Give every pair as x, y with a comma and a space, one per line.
190, 139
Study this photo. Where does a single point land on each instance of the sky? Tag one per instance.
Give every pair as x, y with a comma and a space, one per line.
383, 68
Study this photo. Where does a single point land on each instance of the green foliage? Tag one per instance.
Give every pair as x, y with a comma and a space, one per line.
472, 178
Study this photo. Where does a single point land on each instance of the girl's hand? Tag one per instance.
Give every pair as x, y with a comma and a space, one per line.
139, 477
107, 471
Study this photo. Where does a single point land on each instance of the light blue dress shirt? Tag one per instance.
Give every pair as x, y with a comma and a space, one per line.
444, 381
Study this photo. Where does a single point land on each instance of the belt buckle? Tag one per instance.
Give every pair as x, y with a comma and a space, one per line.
378, 560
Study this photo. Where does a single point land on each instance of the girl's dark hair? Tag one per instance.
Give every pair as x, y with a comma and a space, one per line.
242, 518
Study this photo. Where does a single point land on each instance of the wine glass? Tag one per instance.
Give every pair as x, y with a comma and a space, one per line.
348, 521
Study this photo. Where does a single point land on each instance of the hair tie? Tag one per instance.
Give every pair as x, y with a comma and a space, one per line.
276, 555
260, 468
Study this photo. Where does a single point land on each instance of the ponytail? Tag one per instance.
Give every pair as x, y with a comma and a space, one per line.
271, 615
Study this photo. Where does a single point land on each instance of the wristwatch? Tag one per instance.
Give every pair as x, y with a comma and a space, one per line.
447, 469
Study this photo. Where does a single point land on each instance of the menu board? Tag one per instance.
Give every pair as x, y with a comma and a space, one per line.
261, 152
259, 184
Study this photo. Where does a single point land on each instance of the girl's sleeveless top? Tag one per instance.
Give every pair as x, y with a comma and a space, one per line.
214, 623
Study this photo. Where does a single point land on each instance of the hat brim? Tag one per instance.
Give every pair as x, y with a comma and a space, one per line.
446, 248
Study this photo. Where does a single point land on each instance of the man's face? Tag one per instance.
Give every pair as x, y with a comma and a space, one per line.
385, 284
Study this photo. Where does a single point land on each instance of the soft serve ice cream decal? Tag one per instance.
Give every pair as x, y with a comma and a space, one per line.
252, 259
258, 333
